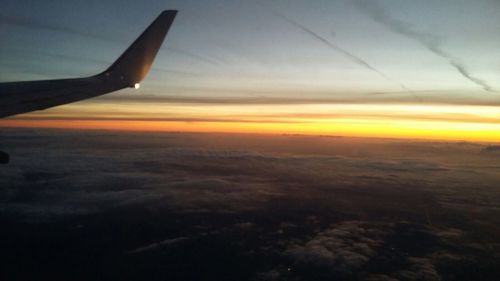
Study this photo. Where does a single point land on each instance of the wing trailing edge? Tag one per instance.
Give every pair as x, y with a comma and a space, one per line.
130, 68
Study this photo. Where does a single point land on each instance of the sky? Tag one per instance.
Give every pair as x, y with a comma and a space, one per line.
383, 68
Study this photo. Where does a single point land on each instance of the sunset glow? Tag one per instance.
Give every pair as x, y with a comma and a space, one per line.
471, 123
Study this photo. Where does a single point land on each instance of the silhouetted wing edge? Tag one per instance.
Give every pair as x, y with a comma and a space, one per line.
130, 68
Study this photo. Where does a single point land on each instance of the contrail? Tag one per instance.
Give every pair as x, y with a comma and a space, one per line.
463, 70
430, 41
345, 52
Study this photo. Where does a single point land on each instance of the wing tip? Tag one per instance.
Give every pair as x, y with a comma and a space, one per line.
167, 15
169, 12
133, 65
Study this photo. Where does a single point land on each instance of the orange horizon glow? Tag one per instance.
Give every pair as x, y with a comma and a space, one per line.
388, 130
427, 122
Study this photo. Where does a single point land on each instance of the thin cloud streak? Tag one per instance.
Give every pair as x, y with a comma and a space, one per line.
140, 118
31, 24
304, 118
430, 41
369, 98
73, 58
192, 55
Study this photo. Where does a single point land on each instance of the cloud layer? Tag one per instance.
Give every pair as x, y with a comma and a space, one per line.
252, 206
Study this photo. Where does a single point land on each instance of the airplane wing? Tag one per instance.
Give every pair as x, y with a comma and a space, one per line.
127, 71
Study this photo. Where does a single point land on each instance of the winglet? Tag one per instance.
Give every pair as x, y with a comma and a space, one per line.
133, 65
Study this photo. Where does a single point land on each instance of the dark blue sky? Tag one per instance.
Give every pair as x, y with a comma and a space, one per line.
322, 46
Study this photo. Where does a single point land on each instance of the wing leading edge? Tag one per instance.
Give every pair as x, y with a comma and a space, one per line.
130, 68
